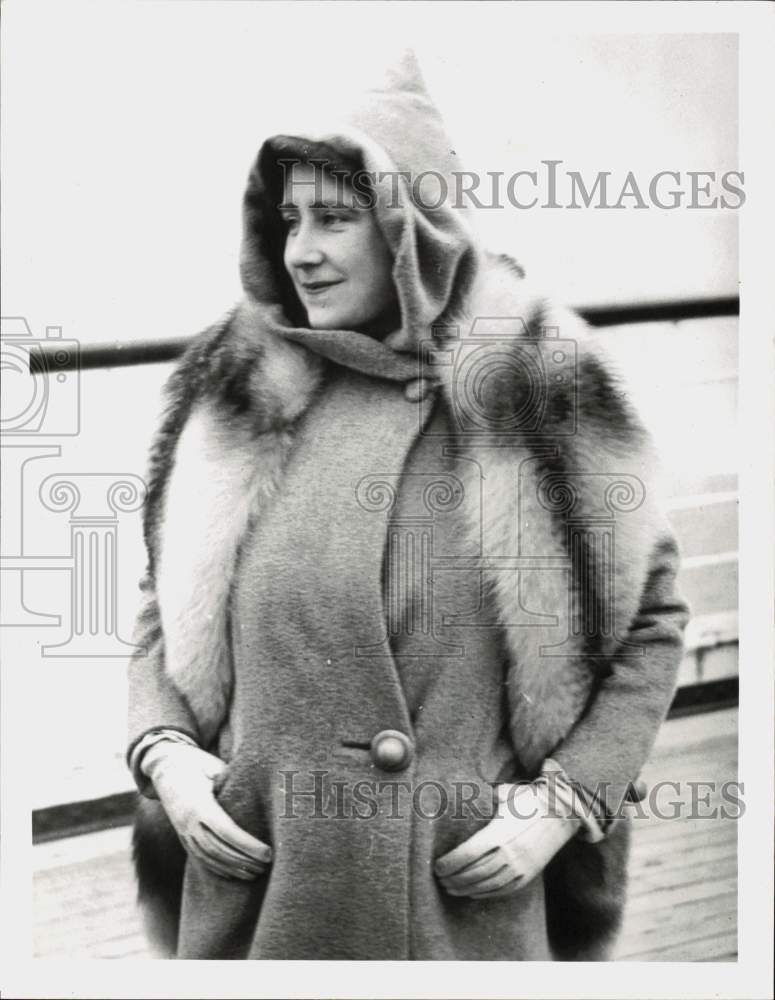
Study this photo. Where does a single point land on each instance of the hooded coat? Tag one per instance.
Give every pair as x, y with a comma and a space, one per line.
450, 534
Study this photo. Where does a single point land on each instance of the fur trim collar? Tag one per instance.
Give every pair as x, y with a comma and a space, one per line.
561, 455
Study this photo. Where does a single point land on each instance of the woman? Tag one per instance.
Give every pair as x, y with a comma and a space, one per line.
398, 678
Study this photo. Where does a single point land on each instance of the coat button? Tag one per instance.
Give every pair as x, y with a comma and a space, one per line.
391, 750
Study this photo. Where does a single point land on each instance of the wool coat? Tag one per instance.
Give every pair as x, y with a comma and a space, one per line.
452, 534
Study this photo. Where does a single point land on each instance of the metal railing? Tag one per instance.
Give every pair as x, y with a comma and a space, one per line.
143, 352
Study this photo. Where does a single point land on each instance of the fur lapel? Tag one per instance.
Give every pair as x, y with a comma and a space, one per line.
219, 457
561, 475
227, 466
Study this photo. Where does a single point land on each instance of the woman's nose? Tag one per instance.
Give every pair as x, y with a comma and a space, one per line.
302, 249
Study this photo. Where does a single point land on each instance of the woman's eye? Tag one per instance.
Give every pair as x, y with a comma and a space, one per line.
290, 223
332, 218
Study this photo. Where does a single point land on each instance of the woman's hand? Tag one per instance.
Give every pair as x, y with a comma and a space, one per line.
513, 848
183, 777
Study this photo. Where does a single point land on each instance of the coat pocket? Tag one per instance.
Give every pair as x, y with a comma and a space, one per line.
470, 805
497, 760
240, 791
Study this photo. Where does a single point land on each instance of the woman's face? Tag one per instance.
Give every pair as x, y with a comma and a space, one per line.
336, 255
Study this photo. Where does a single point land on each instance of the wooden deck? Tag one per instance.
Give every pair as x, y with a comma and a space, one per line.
683, 879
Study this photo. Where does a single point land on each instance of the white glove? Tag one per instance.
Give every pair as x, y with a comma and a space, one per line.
498, 860
183, 777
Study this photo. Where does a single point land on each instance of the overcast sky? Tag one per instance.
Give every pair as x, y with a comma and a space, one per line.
129, 129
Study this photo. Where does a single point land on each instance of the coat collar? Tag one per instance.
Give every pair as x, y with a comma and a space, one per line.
219, 459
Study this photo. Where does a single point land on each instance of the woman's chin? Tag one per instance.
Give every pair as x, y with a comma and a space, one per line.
325, 324
324, 319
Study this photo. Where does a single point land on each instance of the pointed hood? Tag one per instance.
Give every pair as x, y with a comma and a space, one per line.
396, 135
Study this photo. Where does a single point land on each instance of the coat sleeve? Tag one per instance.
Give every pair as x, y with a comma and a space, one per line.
154, 702
612, 740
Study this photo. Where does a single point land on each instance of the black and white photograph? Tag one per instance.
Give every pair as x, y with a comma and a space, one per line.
387, 499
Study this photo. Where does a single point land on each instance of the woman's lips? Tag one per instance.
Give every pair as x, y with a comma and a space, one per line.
315, 288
